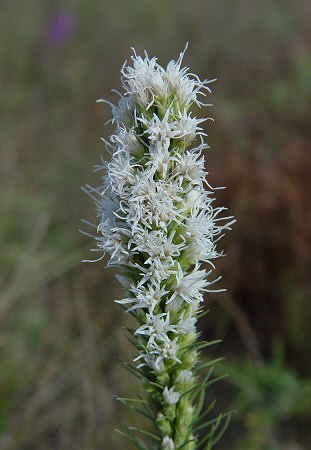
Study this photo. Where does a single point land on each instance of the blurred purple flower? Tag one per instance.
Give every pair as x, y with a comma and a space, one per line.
61, 27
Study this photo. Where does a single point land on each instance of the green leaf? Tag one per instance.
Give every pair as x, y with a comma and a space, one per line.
212, 421
138, 442
134, 400
207, 411
207, 364
225, 426
187, 442
146, 433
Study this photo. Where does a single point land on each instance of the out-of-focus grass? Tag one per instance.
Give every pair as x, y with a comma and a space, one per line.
59, 335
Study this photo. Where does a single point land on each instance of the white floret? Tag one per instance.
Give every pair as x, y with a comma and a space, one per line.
157, 328
170, 396
168, 443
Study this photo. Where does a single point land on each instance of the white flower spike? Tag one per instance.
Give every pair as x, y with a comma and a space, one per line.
158, 224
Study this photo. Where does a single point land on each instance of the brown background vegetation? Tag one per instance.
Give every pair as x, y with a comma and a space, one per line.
60, 339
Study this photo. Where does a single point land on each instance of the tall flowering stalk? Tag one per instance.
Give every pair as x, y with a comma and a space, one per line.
157, 221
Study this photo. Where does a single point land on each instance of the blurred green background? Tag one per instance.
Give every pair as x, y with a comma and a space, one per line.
60, 336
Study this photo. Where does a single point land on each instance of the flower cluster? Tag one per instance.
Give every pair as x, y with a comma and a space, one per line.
158, 224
